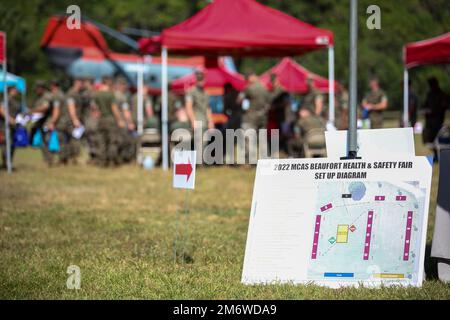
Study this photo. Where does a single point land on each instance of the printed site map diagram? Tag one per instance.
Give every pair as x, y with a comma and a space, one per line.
367, 231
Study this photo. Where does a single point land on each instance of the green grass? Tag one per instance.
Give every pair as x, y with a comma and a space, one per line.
118, 226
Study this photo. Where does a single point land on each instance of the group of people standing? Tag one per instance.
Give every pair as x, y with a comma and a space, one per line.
258, 107
105, 114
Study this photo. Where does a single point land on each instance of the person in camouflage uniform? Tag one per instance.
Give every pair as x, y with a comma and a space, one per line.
199, 111
149, 114
59, 115
307, 121
341, 110
278, 102
314, 100
41, 105
176, 112
127, 136
197, 104
48, 104
69, 119
14, 110
90, 116
375, 101
255, 117
109, 123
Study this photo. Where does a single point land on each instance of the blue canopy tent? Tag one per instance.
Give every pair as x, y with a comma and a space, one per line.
13, 80
16, 81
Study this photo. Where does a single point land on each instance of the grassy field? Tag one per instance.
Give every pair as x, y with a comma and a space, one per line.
118, 226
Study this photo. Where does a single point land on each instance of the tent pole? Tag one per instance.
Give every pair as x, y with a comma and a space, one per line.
331, 111
140, 99
352, 142
5, 105
405, 98
164, 107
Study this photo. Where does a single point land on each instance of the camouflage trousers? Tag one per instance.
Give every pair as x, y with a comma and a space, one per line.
106, 140
3, 146
49, 156
295, 148
127, 146
251, 151
91, 136
70, 147
376, 119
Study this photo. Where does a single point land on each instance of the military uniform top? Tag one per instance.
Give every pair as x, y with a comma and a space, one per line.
122, 101
44, 99
104, 100
65, 121
147, 102
86, 101
13, 110
174, 104
309, 101
375, 97
305, 125
57, 99
258, 97
341, 103
200, 103
275, 93
375, 116
75, 97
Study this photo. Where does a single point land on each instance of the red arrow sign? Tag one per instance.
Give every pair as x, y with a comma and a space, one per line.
184, 169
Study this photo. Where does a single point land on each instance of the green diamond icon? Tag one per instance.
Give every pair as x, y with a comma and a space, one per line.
332, 240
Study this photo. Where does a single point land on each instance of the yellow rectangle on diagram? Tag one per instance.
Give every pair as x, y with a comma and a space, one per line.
342, 233
389, 275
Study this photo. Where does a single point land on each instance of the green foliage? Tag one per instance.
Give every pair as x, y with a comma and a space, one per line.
380, 51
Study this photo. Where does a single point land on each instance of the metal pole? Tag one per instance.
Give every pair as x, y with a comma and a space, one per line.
5, 105
164, 107
140, 99
405, 98
331, 84
352, 137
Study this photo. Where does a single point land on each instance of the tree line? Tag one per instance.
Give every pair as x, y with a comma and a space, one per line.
380, 51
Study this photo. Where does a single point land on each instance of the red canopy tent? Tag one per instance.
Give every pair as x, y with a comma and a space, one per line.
150, 45
214, 78
241, 28
293, 76
244, 28
431, 51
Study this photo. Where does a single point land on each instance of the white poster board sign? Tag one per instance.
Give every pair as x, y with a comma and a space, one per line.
372, 142
338, 222
184, 169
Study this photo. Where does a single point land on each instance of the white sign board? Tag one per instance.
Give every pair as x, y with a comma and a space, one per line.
338, 222
184, 169
372, 142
